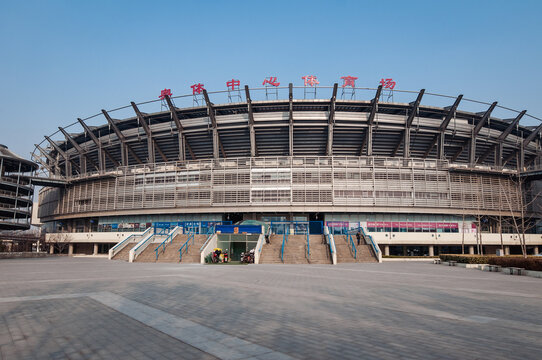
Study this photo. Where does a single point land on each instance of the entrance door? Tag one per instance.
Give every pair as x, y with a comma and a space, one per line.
233, 217
316, 223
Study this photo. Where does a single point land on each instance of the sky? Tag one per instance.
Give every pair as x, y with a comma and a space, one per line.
60, 60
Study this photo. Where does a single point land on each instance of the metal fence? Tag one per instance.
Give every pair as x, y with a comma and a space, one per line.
271, 182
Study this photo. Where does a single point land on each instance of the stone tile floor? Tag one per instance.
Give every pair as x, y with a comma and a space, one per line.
92, 308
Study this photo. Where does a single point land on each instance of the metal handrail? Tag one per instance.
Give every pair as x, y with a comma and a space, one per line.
143, 242
350, 242
185, 245
210, 233
308, 254
163, 243
133, 235
284, 240
365, 235
265, 236
328, 236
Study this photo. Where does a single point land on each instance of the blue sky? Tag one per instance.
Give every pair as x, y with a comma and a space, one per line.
60, 60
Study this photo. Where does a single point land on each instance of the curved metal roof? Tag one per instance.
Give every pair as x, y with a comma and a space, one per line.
319, 127
11, 161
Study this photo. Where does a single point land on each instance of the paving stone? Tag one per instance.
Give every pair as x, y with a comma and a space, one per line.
348, 311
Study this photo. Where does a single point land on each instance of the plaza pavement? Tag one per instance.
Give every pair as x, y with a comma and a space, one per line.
93, 308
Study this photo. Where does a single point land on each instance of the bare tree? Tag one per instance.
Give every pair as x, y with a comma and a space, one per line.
526, 209
59, 241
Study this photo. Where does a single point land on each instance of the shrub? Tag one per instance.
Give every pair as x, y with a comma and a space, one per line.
209, 258
466, 259
530, 263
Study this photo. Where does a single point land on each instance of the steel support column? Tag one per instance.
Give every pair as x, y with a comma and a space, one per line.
498, 147
83, 155
217, 145
124, 146
368, 141
291, 120
331, 121
442, 129
101, 150
252, 132
183, 143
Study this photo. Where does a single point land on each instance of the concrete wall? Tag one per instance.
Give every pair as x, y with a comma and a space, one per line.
94, 237
403, 238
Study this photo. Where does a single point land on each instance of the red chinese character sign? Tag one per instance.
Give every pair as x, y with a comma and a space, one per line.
387, 83
164, 93
349, 81
233, 84
348, 87
272, 80
234, 92
197, 88
310, 80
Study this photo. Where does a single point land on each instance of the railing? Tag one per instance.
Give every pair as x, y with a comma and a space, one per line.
308, 254
331, 243
185, 246
141, 246
376, 248
210, 233
265, 237
284, 241
114, 250
167, 240
350, 242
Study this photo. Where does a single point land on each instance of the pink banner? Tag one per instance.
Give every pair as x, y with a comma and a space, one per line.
412, 225
337, 223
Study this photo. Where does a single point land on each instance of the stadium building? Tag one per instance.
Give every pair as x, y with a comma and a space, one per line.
420, 173
16, 192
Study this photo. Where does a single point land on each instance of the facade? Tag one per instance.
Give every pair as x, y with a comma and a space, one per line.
413, 175
16, 192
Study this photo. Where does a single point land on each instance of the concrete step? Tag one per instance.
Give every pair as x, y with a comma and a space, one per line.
124, 254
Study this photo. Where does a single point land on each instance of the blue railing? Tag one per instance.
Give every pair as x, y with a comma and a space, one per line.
284, 241
185, 246
129, 237
308, 254
210, 233
328, 239
265, 236
367, 236
299, 227
167, 240
350, 242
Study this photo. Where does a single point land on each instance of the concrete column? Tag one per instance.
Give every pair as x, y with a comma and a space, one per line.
404, 251
507, 250
431, 250
386, 250
471, 250
70, 249
95, 249
51, 249
535, 250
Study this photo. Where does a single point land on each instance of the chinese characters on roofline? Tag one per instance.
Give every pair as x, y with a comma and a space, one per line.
308, 81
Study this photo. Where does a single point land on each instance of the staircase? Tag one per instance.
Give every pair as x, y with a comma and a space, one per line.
149, 255
271, 252
171, 253
319, 250
124, 254
295, 250
344, 255
193, 255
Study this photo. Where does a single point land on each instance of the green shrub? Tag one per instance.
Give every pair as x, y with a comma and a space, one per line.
466, 259
529, 263
407, 257
209, 258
